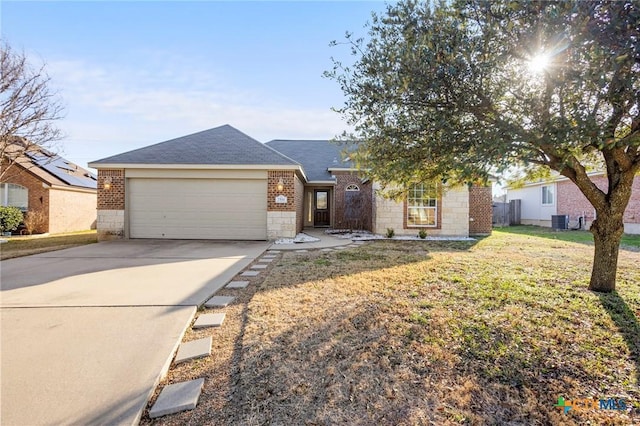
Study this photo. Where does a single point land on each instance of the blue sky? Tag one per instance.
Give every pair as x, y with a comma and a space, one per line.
136, 73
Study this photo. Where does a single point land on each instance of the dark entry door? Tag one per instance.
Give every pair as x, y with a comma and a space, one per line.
321, 208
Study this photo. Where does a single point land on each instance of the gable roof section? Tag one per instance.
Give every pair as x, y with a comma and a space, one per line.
316, 157
48, 167
222, 145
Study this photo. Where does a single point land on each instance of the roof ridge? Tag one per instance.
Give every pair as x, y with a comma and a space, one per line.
218, 145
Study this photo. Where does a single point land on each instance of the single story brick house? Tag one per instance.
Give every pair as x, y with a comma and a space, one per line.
222, 184
56, 195
541, 200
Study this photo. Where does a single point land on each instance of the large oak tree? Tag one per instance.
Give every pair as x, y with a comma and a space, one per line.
458, 89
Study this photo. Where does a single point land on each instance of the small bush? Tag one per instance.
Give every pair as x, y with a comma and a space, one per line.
422, 234
390, 232
35, 221
10, 218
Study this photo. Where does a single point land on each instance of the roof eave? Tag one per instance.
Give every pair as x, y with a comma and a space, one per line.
343, 169
195, 166
321, 182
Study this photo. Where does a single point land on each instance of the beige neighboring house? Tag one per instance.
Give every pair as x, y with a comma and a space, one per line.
222, 184
55, 195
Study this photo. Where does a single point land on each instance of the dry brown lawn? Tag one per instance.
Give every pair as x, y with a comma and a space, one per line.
28, 245
421, 333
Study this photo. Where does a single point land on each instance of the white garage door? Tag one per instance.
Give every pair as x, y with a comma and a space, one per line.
221, 209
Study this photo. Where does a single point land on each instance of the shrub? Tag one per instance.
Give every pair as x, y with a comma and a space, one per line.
390, 232
422, 234
35, 221
10, 218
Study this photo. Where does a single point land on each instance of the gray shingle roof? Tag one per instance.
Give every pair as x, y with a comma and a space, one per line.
222, 145
316, 156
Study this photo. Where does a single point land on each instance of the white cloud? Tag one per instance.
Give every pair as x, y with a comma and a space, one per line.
117, 109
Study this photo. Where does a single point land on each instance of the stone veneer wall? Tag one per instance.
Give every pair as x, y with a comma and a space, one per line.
281, 217
480, 210
72, 210
454, 213
111, 204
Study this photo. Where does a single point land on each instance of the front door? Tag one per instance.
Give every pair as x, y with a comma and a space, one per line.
321, 215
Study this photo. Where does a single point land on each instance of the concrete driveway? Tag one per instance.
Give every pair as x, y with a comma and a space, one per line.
86, 333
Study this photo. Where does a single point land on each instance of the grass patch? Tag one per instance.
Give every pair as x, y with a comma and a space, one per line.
25, 246
413, 332
585, 237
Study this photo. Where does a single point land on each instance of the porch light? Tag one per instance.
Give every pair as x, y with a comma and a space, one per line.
107, 183
280, 186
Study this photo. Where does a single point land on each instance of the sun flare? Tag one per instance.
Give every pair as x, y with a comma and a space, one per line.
539, 63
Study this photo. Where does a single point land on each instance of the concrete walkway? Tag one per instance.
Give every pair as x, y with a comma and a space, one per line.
326, 241
87, 333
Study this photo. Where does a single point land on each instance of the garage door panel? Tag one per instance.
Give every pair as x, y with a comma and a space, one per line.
197, 208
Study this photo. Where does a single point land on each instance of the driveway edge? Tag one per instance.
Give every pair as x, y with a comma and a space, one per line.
165, 368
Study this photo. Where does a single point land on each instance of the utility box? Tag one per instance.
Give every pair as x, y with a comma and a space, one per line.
560, 222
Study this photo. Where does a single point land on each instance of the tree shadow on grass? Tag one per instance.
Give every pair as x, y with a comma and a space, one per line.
349, 365
627, 323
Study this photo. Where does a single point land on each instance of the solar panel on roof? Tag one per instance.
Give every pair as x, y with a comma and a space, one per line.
61, 169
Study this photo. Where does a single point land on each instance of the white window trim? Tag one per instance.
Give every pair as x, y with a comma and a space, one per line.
434, 208
352, 187
553, 195
5, 199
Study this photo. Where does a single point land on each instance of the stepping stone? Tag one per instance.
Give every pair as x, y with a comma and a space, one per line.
209, 320
359, 242
219, 301
238, 284
273, 251
269, 256
265, 260
250, 274
195, 349
326, 249
177, 397
302, 251
340, 248
259, 266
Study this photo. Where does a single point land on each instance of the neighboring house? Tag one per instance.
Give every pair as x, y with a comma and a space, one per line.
541, 200
223, 184
55, 195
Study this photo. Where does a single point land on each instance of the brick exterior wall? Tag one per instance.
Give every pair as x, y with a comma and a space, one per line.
288, 179
340, 221
38, 202
283, 220
480, 210
112, 198
299, 200
572, 202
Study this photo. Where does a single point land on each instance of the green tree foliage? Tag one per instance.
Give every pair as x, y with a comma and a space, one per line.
10, 218
456, 90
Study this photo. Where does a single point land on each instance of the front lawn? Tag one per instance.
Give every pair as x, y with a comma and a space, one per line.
28, 245
415, 332
631, 242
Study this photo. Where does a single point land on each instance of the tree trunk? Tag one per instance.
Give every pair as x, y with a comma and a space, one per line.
607, 232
